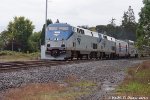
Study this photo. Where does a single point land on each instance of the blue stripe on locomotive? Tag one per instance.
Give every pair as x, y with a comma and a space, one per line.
64, 34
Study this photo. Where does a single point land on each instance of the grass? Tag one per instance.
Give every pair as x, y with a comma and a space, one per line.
137, 83
6, 56
51, 91
84, 84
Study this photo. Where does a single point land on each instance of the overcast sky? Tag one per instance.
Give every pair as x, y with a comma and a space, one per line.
74, 12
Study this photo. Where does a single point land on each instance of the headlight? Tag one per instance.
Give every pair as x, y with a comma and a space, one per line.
63, 42
48, 42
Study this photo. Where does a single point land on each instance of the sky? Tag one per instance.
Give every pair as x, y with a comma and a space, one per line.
74, 12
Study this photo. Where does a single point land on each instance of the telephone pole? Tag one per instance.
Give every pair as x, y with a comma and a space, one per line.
46, 20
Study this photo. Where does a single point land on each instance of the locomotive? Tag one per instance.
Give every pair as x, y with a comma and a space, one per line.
64, 41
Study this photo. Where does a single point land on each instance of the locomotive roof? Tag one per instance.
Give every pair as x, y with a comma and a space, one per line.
89, 33
86, 32
59, 25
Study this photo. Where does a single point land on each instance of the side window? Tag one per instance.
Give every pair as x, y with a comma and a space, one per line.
80, 31
94, 46
126, 48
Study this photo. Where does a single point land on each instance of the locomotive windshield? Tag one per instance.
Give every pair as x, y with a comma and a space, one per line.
59, 32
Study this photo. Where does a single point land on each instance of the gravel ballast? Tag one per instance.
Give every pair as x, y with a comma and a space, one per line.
107, 73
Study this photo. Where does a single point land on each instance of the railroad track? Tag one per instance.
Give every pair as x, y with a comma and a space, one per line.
8, 66
26, 64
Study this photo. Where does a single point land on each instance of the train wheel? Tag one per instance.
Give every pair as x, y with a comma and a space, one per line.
71, 58
78, 55
87, 56
81, 57
72, 55
100, 57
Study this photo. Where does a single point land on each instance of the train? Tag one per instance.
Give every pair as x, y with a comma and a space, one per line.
64, 42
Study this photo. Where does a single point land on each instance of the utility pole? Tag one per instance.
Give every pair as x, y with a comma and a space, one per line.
46, 21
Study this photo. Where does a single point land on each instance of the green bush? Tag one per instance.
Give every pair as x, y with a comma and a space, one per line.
9, 53
4, 53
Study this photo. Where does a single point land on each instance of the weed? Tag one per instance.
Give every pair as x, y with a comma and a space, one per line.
137, 82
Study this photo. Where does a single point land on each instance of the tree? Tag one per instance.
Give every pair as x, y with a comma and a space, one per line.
111, 28
101, 28
43, 31
129, 25
35, 42
20, 29
143, 30
4, 39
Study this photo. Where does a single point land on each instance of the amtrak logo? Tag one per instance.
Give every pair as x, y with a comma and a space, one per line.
56, 33
79, 40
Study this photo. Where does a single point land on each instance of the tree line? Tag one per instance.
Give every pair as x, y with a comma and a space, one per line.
143, 28
19, 35
127, 29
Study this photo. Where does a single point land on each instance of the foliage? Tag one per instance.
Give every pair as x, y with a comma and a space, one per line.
3, 53
129, 25
19, 30
9, 53
143, 30
101, 28
43, 31
126, 31
114, 31
137, 82
19, 36
52, 91
1, 43
4, 39
35, 42
111, 30
8, 56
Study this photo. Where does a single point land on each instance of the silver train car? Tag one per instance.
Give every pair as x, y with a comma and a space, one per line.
64, 41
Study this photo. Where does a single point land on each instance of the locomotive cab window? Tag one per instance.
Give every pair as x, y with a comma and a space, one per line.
80, 31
